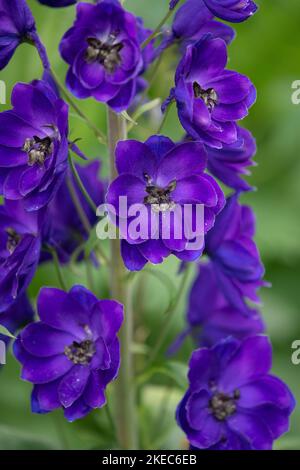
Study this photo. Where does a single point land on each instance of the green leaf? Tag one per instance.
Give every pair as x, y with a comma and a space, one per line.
4, 331
13, 439
177, 371
146, 107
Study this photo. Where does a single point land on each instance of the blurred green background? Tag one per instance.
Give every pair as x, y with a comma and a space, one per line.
267, 50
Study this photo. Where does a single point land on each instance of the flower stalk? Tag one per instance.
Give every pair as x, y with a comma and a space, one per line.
120, 290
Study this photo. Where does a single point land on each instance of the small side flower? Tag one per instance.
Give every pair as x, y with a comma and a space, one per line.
72, 353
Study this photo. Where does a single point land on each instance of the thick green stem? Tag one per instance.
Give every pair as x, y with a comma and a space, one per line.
121, 290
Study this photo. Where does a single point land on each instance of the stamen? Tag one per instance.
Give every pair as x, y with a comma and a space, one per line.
81, 353
38, 149
209, 96
106, 53
13, 240
159, 198
222, 406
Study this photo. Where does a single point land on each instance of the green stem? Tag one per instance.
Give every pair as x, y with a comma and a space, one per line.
89, 274
81, 185
158, 28
81, 213
168, 321
85, 222
164, 119
58, 268
110, 419
121, 291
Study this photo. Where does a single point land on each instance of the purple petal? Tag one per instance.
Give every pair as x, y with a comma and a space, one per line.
58, 310
123, 99
253, 429
198, 409
73, 384
78, 410
75, 87
268, 390
94, 392
126, 185
132, 257
43, 341
195, 189
252, 360
107, 318
47, 396
42, 370
135, 158
184, 160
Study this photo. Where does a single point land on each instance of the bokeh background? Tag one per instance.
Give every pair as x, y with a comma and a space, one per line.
267, 49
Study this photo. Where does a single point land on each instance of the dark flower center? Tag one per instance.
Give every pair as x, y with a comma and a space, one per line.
81, 353
159, 198
222, 406
209, 96
13, 239
106, 53
38, 149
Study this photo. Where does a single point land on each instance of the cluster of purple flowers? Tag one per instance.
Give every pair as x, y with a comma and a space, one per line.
72, 353
38, 216
232, 402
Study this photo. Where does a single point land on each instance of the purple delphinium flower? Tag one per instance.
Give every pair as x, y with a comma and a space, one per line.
210, 99
211, 317
19, 250
193, 11
103, 51
63, 228
57, 3
162, 177
192, 21
233, 403
232, 10
190, 18
16, 26
72, 353
216, 29
33, 145
17, 316
234, 255
230, 162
